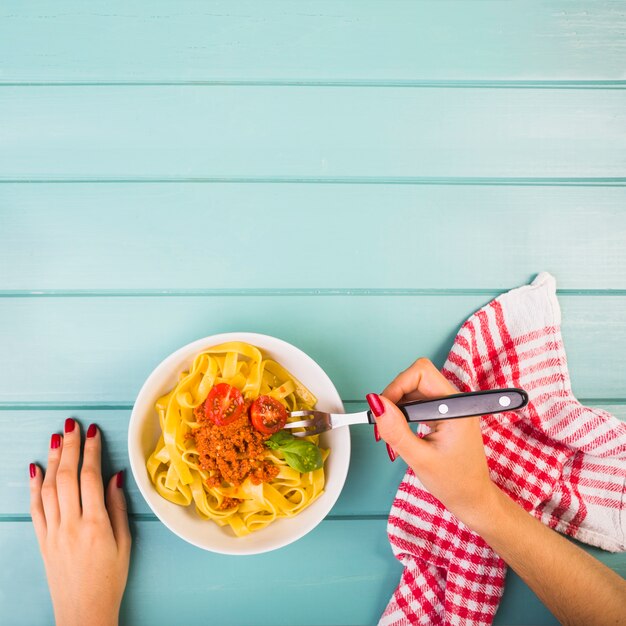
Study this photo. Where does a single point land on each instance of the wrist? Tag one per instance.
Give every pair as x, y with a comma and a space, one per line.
481, 515
80, 618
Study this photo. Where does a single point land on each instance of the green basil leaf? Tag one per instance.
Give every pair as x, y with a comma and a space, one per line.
307, 462
303, 456
276, 441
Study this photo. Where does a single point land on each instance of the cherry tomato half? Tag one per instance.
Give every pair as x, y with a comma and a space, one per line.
224, 404
268, 415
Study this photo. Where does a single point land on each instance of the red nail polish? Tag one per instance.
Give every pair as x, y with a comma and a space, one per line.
376, 433
55, 441
69, 425
376, 404
33, 470
391, 453
119, 480
91, 431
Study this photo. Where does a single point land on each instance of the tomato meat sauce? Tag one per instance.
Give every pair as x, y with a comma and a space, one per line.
228, 445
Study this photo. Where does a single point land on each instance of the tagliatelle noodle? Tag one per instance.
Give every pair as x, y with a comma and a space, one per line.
174, 465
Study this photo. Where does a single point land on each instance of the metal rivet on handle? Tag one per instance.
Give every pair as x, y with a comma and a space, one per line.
504, 401
443, 409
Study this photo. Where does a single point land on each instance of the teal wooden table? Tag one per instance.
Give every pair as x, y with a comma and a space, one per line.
354, 177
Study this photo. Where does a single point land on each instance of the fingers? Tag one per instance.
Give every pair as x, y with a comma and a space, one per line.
395, 430
36, 504
49, 496
91, 486
420, 380
118, 514
67, 472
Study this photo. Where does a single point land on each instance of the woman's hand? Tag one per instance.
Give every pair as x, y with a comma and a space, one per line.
82, 532
450, 461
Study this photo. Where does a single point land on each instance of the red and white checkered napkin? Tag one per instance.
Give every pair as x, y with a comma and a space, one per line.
563, 462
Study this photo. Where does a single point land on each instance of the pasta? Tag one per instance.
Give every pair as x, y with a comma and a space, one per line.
176, 465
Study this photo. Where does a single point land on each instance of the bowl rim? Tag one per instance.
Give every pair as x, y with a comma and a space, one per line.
137, 463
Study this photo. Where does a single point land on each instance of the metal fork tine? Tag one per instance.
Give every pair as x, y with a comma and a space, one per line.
317, 430
308, 433
300, 424
308, 413
318, 422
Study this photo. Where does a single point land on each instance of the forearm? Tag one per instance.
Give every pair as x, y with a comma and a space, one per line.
578, 589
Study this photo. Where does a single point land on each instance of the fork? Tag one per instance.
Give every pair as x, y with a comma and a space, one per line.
444, 408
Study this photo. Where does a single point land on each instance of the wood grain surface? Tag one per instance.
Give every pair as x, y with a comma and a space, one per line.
249, 132
309, 237
296, 42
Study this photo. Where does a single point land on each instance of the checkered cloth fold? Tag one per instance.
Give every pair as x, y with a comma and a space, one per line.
563, 462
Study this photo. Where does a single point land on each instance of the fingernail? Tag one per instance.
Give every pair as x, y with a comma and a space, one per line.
55, 441
391, 453
376, 433
91, 431
119, 480
33, 470
376, 404
69, 425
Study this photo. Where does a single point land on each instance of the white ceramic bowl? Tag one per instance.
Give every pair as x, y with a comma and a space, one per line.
143, 433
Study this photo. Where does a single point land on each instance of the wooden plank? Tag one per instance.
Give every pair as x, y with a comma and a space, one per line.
283, 40
343, 572
101, 350
369, 489
315, 132
83, 350
309, 236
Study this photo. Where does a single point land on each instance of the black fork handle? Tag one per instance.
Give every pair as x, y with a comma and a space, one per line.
463, 405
